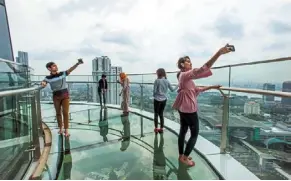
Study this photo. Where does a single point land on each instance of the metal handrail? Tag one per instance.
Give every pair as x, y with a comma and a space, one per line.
14, 63
281, 59
233, 89
19, 91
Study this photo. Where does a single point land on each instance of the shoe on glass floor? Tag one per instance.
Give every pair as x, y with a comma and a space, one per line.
156, 130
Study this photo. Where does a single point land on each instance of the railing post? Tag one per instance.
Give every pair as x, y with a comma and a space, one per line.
224, 129
38, 109
141, 127
89, 118
141, 96
35, 126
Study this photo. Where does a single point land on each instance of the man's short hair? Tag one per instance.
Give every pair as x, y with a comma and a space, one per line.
49, 65
103, 76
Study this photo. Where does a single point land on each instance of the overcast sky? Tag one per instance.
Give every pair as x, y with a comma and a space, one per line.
143, 35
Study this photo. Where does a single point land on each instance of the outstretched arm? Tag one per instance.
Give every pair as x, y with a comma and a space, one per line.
205, 71
202, 89
171, 87
68, 72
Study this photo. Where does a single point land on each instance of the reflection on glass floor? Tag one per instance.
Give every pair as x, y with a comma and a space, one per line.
112, 146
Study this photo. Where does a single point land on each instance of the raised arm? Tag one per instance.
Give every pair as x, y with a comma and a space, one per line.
68, 72
205, 71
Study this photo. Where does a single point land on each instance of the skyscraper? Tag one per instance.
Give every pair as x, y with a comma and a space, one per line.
101, 65
22, 58
267, 98
6, 51
114, 87
286, 88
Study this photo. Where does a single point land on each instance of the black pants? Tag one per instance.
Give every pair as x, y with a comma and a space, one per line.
159, 107
188, 120
100, 98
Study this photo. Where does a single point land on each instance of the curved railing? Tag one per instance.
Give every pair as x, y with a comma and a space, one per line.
226, 116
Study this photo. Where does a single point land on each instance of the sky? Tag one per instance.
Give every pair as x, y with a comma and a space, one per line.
143, 35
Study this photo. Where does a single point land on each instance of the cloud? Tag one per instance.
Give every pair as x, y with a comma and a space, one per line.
278, 27
117, 37
142, 35
227, 27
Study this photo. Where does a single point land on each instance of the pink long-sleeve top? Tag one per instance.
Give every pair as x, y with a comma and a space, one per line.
186, 100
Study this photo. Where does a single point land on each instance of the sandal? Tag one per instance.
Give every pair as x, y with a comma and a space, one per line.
189, 158
156, 130
187, 162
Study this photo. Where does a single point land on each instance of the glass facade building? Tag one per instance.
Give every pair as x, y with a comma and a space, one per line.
6, 51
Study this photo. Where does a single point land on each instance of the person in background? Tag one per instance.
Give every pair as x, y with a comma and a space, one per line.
125, 92
102, 89
161, 87
61, 98
186, 101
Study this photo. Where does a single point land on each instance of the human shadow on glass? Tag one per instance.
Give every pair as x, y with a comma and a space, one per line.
65, 173
125, 135
159, 161
103, 124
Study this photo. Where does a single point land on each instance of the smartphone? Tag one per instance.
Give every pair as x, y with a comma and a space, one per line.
80, 60
231, 47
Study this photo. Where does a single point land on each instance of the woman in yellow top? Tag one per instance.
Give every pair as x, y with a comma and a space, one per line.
125, 92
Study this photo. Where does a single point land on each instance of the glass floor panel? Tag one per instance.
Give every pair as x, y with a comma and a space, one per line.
120, 147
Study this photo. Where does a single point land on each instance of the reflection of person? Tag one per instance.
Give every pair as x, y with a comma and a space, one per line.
103, 125
65, 173
102, 88
186, 101
182, 173
125, 92
159, 162
161, 87
61, 99
125, 139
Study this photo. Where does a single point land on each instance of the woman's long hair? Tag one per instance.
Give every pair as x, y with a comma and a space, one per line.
122, 76
161, 73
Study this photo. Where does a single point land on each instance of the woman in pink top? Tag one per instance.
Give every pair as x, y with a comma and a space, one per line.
186, 101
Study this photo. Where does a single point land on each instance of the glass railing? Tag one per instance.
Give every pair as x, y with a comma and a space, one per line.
19, 132
248, 119
14, 75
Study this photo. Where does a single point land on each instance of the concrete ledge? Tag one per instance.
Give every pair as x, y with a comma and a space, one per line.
228, 167
36, 175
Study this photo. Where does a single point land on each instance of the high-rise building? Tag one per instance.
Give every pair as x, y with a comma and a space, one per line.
286, 88
267, 98
22, 58
101, 65
252, 108
114, 87
6, 51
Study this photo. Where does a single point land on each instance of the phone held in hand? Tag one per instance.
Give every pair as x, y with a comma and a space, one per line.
231, 47
80, 60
